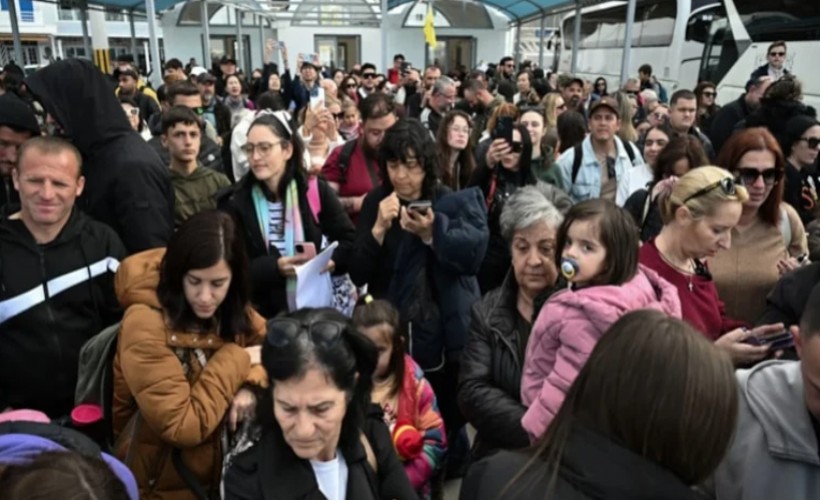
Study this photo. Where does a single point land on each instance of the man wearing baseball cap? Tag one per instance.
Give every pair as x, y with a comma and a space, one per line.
572, 90
227, 66
17, 125
214, 111
594, 168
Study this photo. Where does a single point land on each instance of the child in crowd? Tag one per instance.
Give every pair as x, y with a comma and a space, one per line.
400, 389
349, 126
599, 258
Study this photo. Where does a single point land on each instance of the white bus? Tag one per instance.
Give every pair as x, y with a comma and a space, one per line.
687, 41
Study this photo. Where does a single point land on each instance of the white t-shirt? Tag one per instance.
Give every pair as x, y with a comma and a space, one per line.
331, 477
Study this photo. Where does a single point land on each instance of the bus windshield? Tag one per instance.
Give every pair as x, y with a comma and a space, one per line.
770, 20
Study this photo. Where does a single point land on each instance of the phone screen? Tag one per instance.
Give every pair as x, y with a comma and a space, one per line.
317, 98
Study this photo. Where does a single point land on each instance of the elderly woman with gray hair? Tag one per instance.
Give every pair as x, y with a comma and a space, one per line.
492, 360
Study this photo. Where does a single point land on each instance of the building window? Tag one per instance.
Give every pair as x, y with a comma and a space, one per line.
114, 15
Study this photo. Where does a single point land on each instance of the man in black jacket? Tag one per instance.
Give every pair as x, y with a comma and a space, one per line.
127, 186
56, 280
17, 125
727, 117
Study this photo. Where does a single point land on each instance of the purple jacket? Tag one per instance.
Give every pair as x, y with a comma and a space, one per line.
568, 327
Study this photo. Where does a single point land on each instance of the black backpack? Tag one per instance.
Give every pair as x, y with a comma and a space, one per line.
344, 164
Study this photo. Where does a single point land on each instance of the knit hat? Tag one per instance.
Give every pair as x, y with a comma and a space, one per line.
15, 113
795, 129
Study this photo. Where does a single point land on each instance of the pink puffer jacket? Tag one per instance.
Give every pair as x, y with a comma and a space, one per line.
568, 327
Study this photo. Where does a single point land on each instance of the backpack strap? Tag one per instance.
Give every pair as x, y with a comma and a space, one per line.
646, 204
630, 152
371, 455
576, 161
344, 160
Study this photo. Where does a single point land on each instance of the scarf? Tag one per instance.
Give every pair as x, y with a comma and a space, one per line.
294, 230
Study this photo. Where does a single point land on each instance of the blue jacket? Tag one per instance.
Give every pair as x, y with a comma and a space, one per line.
587, 185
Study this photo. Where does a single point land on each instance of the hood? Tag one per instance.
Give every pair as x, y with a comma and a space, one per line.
774, 394
15, 230
200, 172
137, 278
82, 101
604, 305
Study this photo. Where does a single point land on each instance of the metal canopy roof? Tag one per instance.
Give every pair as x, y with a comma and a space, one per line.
516, 10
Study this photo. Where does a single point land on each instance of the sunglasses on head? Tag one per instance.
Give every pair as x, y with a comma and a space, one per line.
727, 185
283, 331
748, 176
812, 142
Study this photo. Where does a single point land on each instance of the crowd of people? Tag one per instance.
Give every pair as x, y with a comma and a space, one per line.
311, 283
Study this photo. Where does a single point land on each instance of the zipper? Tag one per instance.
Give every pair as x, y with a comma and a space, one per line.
55, 336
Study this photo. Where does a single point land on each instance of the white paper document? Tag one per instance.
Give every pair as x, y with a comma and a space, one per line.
313, 287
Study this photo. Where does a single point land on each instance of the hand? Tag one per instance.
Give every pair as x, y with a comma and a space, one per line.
287, 265
388, 211
255, 352
787, 265
741, 352
327, 122
330, 267
498, 148
242, 408
418, 223
311, 120
299, 61
270, 48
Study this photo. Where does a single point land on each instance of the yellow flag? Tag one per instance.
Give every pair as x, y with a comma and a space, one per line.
429, 29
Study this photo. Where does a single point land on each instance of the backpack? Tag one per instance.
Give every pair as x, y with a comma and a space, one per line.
95, 375
579, 156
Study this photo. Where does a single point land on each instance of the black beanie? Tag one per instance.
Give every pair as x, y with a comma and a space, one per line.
15, 113
795, 129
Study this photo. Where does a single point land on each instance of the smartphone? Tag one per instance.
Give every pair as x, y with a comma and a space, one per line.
317, 98
776, 341
404, 67
504, 129
420, 206
306, 249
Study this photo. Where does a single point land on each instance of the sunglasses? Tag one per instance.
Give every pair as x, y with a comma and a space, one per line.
710, 94
339, 116
748, 176
632, 92
727, 185
283, 331
369, 75
812, 142
778, 54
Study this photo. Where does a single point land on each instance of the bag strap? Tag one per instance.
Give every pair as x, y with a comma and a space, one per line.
576, 161
493, 188
129, 455
188, 476
371, 455
629, 151
344, 160
646, 204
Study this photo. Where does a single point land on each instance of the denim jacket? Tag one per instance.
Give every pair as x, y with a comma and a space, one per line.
587, 185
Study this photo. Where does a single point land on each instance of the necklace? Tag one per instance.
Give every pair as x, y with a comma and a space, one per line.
688, 271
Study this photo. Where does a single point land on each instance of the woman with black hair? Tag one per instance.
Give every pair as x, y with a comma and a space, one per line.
187, 356
511, 168
321, 437
599, 88
281, 213
419, 246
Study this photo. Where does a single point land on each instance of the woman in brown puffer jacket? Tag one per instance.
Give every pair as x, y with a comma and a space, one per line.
188, 352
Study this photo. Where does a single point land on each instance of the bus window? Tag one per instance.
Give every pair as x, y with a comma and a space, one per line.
720, 52
770, 20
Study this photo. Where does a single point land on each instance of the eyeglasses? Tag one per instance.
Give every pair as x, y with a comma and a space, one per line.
777, 54
632, 93
133, 111
727, 185
368, 75
339, 116
812, 142
517, 147
283, 331
710, 94
459, 130
264, 148
748, 176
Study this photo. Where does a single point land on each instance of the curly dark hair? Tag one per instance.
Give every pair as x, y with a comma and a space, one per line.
408, 138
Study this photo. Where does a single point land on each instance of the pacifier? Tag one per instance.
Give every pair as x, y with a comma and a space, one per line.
569, 268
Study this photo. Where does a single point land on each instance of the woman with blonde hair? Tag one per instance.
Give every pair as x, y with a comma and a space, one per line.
554, 105
700, 211
627, 131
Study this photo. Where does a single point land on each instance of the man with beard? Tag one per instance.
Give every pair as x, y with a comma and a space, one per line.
213, 111
304, 86
17, 125
506, 69
442, 99
572, 90
417, 101
352, 169
482, 103
127, 186
129, 79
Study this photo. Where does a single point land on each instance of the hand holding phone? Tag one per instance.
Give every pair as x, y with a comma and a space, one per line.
306, 250
420, 206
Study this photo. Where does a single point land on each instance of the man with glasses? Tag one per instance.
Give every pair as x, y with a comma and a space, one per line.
442, 99
774, 68
17, 125
727, 117
368, 85
683, 112
209, 152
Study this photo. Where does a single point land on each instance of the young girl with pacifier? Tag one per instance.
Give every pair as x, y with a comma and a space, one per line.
599, 258
407, 399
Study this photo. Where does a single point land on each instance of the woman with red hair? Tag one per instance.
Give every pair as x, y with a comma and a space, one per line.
770, 239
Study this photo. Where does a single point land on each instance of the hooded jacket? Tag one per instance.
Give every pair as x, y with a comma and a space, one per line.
39, 345
196, 192
775, 452
180, 407
592, 468
127, 186
210, 154
567, 329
